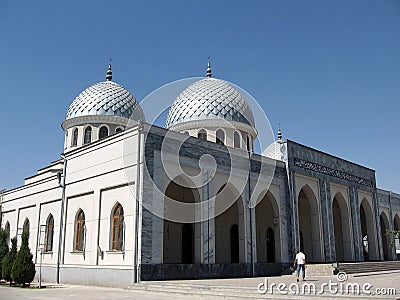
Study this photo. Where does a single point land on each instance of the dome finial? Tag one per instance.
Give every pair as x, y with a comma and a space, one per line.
279, 133
109, 71
208, 68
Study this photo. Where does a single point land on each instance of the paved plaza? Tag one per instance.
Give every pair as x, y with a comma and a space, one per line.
375, 286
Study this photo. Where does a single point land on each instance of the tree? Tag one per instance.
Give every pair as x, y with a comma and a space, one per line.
23, 270
8, 261
3, 247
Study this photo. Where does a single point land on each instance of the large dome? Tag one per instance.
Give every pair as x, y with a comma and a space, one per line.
105, 98
209, 98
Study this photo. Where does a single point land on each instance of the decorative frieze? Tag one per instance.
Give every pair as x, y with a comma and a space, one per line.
331, 172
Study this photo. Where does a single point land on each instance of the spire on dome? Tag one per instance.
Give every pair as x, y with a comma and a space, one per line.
279, 134
109, 72
208, 68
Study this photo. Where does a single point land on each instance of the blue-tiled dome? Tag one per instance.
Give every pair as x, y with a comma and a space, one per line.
209, 98
105, 98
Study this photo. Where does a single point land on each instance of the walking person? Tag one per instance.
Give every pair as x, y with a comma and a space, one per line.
300, 260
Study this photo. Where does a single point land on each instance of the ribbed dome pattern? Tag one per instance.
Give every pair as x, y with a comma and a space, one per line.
209, 98
105, 98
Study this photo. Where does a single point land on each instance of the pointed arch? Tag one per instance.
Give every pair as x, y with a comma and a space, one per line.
236, 140
103, 132
220, 137
179, 227
229, 211
341, 229
7, 230
49, 233
75, 138
384, 222
79, 238
117, 228
87, 138
202, 134
396, 226
26, 226
310, 224
368, 237
267, 229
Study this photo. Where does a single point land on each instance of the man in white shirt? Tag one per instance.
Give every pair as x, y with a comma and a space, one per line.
300, 260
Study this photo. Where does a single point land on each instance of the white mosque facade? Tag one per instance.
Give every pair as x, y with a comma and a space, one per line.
130, 201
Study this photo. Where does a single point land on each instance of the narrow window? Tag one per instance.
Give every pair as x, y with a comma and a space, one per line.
88, 135
26, 226
75, 138
236, 139
220, 137
248, 143
7, 229
103, 133
202, 135
117, 228
49, 234
79, 231
119, 129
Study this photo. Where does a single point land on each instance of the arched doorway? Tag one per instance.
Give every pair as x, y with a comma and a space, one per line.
270, 245
234, 243
180, 245
367, 231
267, 230
229, 227
383, 220
341, 227
187, 244
396, 226
309, 224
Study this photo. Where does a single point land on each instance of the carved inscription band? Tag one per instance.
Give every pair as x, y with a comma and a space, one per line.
331, 172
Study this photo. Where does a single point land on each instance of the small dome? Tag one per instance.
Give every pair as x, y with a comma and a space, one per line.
105, 98
210, 98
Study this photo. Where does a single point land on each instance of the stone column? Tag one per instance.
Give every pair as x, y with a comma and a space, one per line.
356, 222
208, 223
328, 235
293, 206
375, 207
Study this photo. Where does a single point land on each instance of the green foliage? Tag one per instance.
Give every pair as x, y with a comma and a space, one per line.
8, 261
23, 270
394, 234
3, 247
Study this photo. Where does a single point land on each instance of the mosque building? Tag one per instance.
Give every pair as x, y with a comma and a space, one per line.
130, 201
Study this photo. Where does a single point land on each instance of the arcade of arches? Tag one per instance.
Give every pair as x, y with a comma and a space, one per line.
183, 241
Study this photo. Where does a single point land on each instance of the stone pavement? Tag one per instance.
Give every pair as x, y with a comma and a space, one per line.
239, 288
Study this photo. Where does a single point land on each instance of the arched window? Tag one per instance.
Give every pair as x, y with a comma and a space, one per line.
75, 138
79, 231
248, 143
49, 234
88, 135
236, 139
103, 133
117, 228
7, 230
220, 137
26, 226
119, 129
202, 135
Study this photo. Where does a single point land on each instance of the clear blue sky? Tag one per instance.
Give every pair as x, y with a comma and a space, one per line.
327, 71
